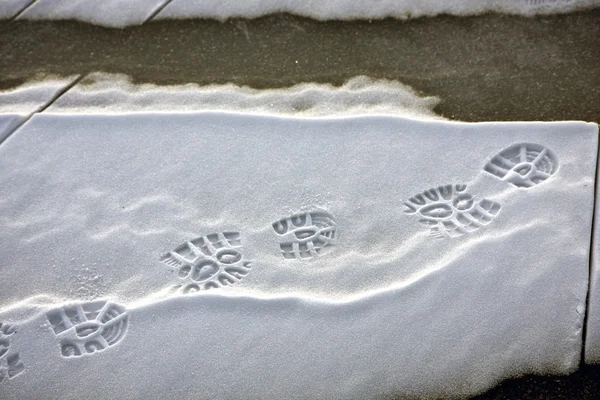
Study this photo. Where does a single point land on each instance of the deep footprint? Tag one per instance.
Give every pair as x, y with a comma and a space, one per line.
10, 362
524, 164
450, 211
306, 235
88, 328
208, 262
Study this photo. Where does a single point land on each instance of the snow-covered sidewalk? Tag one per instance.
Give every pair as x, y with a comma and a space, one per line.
341, 254
121, 13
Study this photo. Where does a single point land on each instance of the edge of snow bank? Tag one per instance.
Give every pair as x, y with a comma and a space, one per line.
114, 93
352, 9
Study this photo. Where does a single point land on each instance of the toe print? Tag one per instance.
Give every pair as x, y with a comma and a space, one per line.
524, 165
6, 331
10, 362
450, 211
90, 327
208, 262
306, 235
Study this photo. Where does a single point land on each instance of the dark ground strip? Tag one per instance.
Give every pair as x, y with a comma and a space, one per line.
582, 385
490, 67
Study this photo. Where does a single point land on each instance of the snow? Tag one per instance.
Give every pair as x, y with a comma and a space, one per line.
374, 305
32, 96
10, 8
8, 122
112, 13
365, 9
592, 341
16, 105
120, 13
113, 93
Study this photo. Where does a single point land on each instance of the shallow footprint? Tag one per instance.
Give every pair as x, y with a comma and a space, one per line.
306, 235
449, 211
524, 164
10, 362
87, 328
208, 262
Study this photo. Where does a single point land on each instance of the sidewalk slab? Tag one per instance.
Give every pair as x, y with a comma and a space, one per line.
332, 258
111, 13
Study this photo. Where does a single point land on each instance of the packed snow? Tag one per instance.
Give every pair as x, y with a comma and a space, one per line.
212, 254
110, 93
120, 13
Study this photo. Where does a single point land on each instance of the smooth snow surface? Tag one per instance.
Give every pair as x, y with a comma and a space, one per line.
18, 104
102, 93
8, 122
10, 8
347, 258
113, 13
120, 13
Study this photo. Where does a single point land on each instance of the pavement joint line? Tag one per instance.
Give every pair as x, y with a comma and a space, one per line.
21, 11
592, 257
44, 107
157, 11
